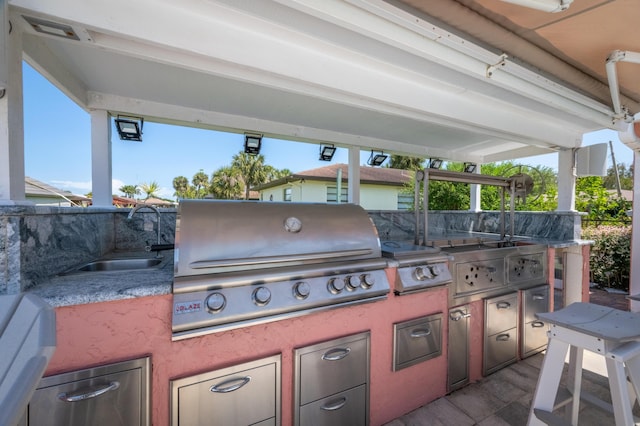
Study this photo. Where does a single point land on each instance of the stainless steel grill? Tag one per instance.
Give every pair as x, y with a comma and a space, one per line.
239, 263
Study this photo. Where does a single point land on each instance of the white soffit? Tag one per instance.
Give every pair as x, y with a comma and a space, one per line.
354, 73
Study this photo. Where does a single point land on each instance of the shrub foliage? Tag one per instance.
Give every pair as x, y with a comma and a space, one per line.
610, 259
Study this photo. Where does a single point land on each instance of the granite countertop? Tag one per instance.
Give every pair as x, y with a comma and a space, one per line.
78, 288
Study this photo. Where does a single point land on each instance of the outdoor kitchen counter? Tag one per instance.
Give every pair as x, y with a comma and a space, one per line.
90, 287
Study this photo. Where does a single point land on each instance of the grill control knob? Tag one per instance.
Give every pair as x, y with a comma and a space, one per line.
422, 273
302, 290
434, 270
352, 282
367, 280
335, 285
261, 296
216, 302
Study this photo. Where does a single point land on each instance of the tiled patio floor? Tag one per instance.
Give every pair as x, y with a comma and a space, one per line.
504, 398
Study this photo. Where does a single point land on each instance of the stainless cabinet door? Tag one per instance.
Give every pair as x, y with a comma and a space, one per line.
501, 313
109, 400
458, 358
416, 340
500, 350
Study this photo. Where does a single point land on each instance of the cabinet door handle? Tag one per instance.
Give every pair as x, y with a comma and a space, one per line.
538, 297
420, 332
503, 305
88, 392
230, 385
503, 337
336, 354
458, 314
335, 404
537, 324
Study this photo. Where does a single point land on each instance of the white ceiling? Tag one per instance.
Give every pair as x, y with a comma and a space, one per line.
356, 73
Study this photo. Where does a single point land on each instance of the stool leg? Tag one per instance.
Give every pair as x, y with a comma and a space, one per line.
633, 370
619, 397
575, 382
547, 388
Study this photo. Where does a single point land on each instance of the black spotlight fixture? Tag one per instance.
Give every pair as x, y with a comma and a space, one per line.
435, 163
327, 152
376, 159
129, 128
469, 167
252, 143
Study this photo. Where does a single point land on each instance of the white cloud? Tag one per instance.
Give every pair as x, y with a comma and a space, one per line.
77, 187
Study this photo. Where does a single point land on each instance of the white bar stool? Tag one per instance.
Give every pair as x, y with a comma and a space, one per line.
609, 332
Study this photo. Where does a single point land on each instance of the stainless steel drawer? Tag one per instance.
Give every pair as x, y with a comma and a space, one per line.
500, 349
346, 408
535, 300
501, 313
416, 340
331, 367
113, 394
534, 337
243, 394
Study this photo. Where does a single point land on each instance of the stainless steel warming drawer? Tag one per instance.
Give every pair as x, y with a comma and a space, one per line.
534, 332
416, 340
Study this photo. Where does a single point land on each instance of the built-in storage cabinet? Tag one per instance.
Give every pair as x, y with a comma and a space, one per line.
458, 353
244, 394
332, 382
416, 341
534, 332
109, 395
501, 332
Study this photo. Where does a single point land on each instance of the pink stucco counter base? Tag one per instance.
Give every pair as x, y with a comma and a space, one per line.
100, 333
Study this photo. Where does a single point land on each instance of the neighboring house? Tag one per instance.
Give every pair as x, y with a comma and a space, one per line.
131, 202
380, 188
43, 194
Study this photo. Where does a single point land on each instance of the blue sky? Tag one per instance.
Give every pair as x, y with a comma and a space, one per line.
58, 147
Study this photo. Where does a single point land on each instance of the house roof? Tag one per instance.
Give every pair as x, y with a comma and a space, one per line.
35, 188
368, 175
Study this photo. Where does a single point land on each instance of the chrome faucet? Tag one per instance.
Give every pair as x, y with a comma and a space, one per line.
155, 209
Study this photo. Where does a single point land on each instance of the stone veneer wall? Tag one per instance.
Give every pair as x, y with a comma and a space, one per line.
37, 242
551, 226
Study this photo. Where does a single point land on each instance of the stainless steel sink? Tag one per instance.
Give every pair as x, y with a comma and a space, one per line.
119, 264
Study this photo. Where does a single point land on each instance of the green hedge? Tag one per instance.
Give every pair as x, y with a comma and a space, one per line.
610, 259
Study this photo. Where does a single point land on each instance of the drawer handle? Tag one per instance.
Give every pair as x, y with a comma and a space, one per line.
504, 337
88, 392
335, 404
503, 305
420, 332
336, 354
230, 385
538, 297
458, 314
537, 324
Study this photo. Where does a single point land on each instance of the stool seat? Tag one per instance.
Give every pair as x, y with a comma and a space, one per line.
609, 332
598, 321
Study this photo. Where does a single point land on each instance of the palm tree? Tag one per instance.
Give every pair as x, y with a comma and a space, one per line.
200, 181
251, 169
181, 186
226, 183
129, 191
406, 163
150, 189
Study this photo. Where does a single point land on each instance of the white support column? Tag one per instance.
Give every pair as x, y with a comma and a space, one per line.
101, 159
11, 113
474, 190
573, 276
353, 183
566, 181
634, 275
